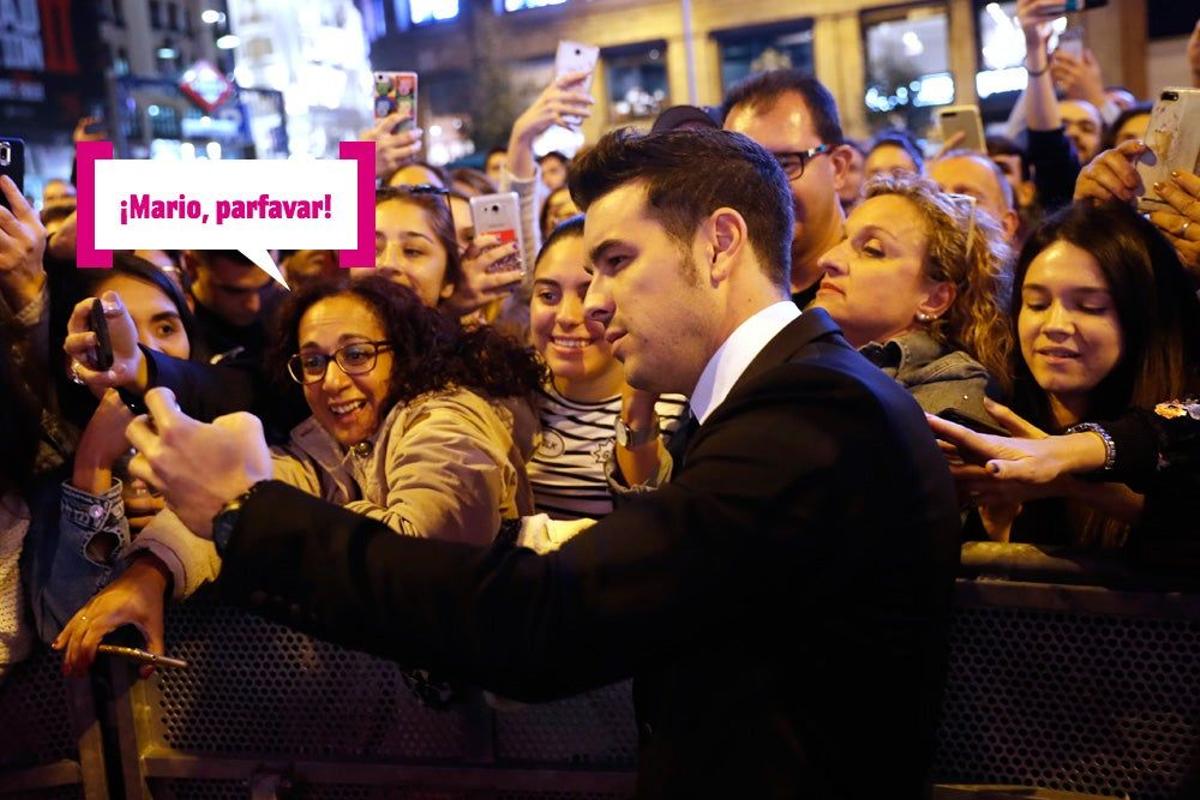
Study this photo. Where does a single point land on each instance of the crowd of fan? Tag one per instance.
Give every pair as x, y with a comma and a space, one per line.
1048, 328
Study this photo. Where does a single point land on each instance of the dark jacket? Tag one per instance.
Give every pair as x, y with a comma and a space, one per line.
781, 603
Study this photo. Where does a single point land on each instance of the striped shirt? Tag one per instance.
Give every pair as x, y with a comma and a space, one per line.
567, 470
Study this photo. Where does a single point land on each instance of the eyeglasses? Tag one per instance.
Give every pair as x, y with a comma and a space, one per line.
356, 358
794, 163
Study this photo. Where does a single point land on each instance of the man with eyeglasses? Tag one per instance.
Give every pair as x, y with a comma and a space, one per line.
791, 114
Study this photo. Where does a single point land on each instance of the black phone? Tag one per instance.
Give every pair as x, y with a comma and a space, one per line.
971, 423
12, 164
99, 325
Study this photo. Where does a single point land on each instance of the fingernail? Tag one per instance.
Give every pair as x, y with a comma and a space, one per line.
1174, 173
1158, 186
993, 468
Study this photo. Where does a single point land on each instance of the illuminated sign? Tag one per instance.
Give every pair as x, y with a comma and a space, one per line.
206, 86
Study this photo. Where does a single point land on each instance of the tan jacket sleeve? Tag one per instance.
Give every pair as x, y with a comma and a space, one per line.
448, 471
191, 560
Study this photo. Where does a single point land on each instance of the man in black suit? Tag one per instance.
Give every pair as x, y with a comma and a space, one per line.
781, 601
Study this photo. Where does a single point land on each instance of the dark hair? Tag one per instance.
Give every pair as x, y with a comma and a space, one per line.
544, 214
478, 182
436, 205
129, 265
494, 151
763, 91
431, 350
20, 416
567, 229
1004, 146
206, 257
554, 154
55, 212
1155, 301
687, 175
1109, 140
902, 140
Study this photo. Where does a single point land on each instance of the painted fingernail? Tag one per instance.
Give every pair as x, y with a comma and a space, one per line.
1159, 186
1174, 173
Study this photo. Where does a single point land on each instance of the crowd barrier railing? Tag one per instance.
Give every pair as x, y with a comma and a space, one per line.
1059, 686
51, 744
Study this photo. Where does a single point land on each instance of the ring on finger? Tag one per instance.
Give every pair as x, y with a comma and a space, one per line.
1183, 230
76, 378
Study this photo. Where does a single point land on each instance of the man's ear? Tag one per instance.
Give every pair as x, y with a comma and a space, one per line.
939, 299
1010, 223
727, 240
840, 157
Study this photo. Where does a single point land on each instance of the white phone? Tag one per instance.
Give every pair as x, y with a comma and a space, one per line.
1173, 137
965, 120
576, 57
499, 215
1071, 42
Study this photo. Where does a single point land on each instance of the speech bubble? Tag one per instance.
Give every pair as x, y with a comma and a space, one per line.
250, 206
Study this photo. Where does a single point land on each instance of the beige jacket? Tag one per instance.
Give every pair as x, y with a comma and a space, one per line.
448, 465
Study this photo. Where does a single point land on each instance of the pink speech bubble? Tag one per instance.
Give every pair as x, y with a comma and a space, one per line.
88, 255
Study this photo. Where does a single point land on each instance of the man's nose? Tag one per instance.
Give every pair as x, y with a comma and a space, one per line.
598, 305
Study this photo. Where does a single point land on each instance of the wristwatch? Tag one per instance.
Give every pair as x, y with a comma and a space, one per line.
627, 437
226, 519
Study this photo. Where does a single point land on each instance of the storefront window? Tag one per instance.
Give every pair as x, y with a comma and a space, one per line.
422, 11
908, 66
746, 52
637, 81
521, 5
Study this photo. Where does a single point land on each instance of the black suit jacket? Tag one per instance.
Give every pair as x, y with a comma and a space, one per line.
780, 603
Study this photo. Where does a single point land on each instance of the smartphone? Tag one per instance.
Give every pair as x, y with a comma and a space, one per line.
12, 164
576, 57
1070, 6
499, 215
972, 423
1071, 42
142, 656
965, 120
1173, 139
99, 326
396, 92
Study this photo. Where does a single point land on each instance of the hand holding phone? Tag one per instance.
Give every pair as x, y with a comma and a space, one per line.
1173, 139
573, 57
499, 216
963, 121
12, 164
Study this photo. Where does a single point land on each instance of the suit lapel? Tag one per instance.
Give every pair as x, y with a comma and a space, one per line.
808, 327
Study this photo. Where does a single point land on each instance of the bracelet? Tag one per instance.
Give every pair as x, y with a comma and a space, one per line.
1110, 447
1037, 73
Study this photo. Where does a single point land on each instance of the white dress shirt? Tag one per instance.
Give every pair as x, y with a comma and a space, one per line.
734, 356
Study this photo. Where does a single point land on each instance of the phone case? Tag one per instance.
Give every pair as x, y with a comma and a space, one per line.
963, 119
1173, 137
12, 164
576, 57
99, 326
499, 215
397, 91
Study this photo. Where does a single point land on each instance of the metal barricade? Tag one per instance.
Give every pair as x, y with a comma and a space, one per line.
264, 710
1069, 688
50, 739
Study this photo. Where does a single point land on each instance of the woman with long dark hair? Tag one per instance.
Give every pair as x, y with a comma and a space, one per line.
1106, 321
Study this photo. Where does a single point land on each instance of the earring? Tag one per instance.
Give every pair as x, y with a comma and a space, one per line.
923, 317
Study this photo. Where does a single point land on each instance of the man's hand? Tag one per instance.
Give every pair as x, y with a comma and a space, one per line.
490, 271
198, 467
394, 150
129, 363
1112, 176
22, 245
1181, 225
1079, 78
1034, 17
134, 598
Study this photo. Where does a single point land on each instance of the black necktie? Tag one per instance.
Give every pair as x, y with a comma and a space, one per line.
680, 439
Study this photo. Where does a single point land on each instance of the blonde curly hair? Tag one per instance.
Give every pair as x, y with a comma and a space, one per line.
966, 249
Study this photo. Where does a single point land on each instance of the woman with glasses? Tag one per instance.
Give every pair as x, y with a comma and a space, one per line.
919, 285
416, 421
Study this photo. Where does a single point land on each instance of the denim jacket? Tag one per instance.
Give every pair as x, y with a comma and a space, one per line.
940, 379
58, 567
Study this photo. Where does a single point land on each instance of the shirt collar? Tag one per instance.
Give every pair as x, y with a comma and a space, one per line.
735, 354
